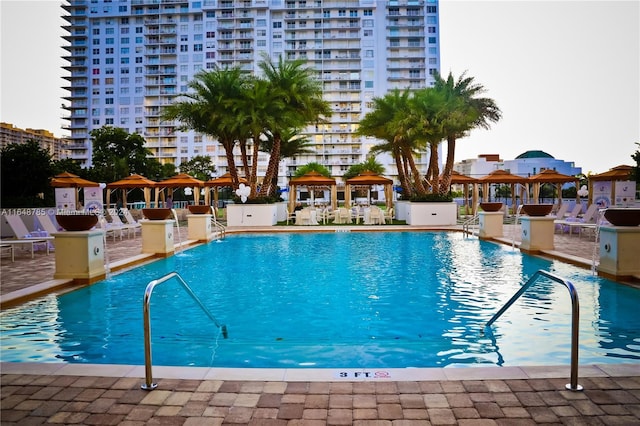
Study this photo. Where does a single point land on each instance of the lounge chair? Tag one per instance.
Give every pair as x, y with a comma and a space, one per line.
590, 217
20, 229
561, 223
116, 222
130, 220
47, 224
562, 210
25, 238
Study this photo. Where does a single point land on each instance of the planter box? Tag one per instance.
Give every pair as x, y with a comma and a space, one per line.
431, 214
252, 214
401, 209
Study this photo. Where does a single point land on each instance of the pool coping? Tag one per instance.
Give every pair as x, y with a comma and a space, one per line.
321, 374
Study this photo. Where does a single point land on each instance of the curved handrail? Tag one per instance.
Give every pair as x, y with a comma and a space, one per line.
575, 319
146, 314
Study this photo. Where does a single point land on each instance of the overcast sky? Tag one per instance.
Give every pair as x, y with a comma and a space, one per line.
566, 74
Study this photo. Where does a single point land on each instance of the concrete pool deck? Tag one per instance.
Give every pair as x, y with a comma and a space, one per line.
38, 393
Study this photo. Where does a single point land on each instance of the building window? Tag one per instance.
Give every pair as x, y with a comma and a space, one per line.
277, 24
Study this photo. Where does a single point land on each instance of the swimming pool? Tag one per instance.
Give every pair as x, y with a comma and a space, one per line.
329, 300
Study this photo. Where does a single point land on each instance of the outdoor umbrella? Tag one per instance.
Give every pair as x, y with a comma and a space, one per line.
368, 179
220, 182
131, 182
505, 177
551, 176
312, 180
618, 173
181, 180
69, 180
458, 178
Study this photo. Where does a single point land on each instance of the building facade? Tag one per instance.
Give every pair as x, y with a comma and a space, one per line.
46, 140
527, 164
130, 58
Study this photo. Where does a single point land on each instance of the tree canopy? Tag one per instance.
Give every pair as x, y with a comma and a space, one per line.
26, 169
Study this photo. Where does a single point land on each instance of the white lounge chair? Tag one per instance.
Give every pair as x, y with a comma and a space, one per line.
589, 217
116, 222
130, 220
23, 236
47, 224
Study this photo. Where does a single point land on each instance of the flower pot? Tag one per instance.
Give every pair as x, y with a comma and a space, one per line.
77, 222
623, 216
537, 209
157, 214
193, 209
490, 207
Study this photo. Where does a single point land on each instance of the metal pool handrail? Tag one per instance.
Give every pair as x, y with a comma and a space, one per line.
575, 319
149, 385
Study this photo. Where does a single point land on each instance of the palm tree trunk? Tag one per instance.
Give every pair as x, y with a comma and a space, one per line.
272, 168
417, 179
448, 167
245, 160
253, 179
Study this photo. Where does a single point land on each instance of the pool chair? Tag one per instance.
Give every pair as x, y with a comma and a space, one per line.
342, 215
117, 222
561, 222
24, 238
590, 217
47, 224
388, 215
109, 228
562, 211
130, 220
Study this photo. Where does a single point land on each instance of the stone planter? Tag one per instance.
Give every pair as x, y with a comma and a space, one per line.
431, 214
252, 214
623, 217
157, 214
77, 222
537, 210
193, 209
490, 207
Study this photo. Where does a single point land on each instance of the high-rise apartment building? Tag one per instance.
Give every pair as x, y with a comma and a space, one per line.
10, 134
130, 58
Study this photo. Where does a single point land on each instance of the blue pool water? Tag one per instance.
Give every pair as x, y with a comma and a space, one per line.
334, 300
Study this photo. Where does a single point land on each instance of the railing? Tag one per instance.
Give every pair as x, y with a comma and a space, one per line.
217, 225
575, 319
149, 385
466, 225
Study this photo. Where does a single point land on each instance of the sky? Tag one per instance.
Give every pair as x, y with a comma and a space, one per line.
564, 73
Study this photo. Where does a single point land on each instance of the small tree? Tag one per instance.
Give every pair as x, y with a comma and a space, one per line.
200, 167
117, 154
26, 170
369, 165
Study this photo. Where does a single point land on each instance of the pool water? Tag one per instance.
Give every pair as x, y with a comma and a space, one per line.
334, 300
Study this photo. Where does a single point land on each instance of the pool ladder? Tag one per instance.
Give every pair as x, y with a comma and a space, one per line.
146, 314
221, 230
575, 319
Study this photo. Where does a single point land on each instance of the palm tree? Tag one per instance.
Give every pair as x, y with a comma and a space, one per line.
291, 144
253, 114
378, 123
300, 103
369, 165
206, 109
467, 112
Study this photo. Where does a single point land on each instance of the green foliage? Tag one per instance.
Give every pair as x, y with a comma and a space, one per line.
312, 167
259, 200
369, 165
431, 198
117, 154
25, 171
200, 167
